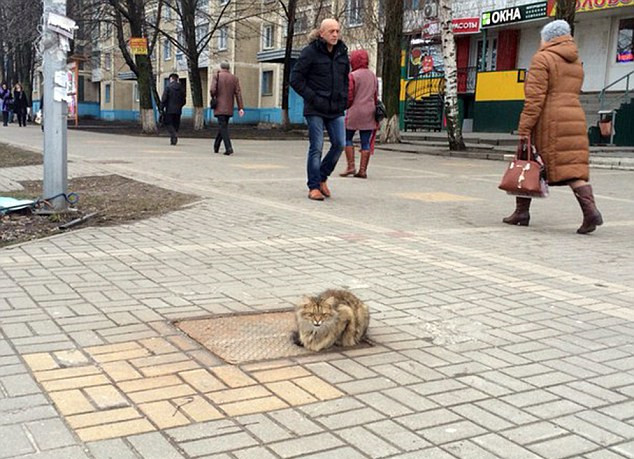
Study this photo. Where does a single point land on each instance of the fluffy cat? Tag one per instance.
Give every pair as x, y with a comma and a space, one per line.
334, 317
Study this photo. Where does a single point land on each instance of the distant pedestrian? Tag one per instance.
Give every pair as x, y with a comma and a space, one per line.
555, 122
20, 104
172, 104
320, 76
225, 87
5, 102
363, 94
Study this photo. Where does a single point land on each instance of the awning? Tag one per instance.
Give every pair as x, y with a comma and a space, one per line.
276, 56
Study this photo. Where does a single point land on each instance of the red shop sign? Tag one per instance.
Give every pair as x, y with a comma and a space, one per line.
428, 64
465, 25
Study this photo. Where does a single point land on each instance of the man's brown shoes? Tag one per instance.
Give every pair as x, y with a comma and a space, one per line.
315, 195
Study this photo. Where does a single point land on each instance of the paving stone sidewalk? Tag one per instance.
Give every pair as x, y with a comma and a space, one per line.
488, 341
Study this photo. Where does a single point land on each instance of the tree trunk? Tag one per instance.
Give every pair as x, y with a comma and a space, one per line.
566, 11
196, 88
144, 80
290, 31
391, 71
454, 130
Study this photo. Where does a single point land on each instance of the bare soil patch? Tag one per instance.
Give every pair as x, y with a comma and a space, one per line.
16, 157
115, 200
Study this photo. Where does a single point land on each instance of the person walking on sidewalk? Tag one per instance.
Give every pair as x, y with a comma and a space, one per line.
5, 102
225, 87
172, 104
363, 93
555, 122
320, 77
20, 103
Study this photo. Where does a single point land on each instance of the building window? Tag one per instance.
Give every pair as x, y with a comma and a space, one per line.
301, 24
268, 39
267, 83
107, 59
624, 43
167, 50
107, 96
354, 12
222, 39
136, 92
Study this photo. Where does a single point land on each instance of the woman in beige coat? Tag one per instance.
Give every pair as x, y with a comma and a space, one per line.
555, 122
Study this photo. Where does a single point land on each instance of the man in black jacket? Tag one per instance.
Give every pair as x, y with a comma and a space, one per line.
172, 105
320, 76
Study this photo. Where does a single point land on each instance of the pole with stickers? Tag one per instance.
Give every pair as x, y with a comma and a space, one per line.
58, 30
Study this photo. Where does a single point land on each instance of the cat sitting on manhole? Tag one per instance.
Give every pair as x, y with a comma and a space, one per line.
334, 317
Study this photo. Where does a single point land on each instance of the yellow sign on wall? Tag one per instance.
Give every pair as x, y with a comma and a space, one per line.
503, 85
138, 46
584, 6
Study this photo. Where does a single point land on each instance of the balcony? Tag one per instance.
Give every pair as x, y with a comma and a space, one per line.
96, 75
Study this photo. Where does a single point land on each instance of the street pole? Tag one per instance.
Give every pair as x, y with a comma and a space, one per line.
54, 113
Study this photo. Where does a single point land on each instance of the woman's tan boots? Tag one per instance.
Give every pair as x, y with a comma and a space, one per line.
350, 158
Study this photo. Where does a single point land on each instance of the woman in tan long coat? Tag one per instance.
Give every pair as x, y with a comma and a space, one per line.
555, 122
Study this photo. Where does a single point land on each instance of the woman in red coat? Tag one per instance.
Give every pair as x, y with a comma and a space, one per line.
363, 90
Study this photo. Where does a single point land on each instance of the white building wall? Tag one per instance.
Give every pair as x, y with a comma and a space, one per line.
593, 39
528, 46
473, 8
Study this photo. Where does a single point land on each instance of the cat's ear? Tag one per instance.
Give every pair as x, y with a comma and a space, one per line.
331, 301
305, 301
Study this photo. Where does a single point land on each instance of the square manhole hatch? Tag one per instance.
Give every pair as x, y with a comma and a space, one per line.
241, 338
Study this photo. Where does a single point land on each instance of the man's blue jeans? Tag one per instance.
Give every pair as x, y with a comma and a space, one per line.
319, 170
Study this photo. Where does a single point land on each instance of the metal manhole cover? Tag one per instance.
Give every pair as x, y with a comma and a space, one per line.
241, 338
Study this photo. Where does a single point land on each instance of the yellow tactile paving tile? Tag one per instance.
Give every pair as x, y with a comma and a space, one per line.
434, 197
290, 393
119, 429
164, 414
234, 395
149, 383
120, 371
197, 408
233, 376
106, 397
318, 387
202, 380
165, 388
65, 373
72, 401
41, 361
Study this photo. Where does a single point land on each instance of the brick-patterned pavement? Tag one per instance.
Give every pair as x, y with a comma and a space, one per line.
488, 340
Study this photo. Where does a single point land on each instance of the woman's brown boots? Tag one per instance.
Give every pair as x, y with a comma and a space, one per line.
363, 167
591, 215
520, 216
350, 158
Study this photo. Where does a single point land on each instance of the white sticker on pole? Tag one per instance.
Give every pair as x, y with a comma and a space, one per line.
61, 24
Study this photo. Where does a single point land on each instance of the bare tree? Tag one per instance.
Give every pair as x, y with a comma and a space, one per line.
19, 22
130, 20
454, 130
391, 72
198, 25
289, 11
566, 11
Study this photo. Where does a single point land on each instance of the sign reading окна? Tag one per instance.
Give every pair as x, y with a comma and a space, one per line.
515, 14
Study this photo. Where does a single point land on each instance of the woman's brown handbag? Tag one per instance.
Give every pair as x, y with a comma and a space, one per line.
525, 174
